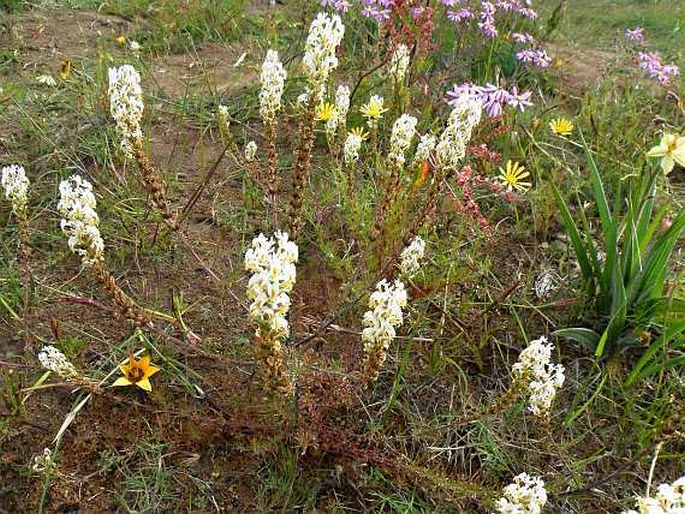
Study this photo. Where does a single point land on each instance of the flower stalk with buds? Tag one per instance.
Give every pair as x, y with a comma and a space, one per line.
325, 35
273, 82
385, 314
80, 223
126, 107
54, 360
400, 139
272, 264
16, 186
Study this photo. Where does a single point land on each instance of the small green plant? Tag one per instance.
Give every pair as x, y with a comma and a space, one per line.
624, 277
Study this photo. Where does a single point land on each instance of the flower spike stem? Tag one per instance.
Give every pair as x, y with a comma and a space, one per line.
302, 164
270, 354
25, 251
154, 186
272, 173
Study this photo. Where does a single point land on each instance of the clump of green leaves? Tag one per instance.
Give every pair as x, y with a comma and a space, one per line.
624, 277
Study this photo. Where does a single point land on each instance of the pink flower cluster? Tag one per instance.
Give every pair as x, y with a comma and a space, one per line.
538, 58
493, 98
655, 68
651, 62
637, 34
488, 10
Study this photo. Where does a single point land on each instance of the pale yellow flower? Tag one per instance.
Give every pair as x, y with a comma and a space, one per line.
671, 149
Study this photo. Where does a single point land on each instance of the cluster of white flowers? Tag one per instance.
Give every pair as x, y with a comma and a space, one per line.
342, 101
222, 114
43, 462
79, 220
424, 149
464, 117
669, 499
411, 256
540, 377
325, 34
126, 104
399, 63
400, 139
250, 151
546, 283
525, 495
272, 263
273, 83
16, 186
54, 360
386, 304
46, 80
353, 144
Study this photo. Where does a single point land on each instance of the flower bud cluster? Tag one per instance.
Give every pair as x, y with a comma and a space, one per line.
54, 360
353, 144
399, 63
80, 220
400, 139
669, 499
386, 304
342, 101
250, 151
525, 495
411, 257
273, 83
272, 263
464, 117
424, 149
126, 105
325, 34
539, 376
16, 186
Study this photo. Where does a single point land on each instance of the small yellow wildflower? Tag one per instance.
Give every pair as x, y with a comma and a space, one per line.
558, 63
65, 68
359, 131
512, 177
324, 112
137, 372
121, 40
374, 109
671, 149
561, 126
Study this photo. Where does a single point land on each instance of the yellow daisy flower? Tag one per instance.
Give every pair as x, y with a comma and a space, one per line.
359, 131
137, 372
324, 112
374, 109
561, 126
121, 40
671, 149
512, 177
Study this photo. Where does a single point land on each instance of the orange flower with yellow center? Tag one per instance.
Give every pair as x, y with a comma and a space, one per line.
137, 372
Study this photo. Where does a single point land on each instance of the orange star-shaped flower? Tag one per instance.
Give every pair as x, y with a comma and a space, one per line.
137, 372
